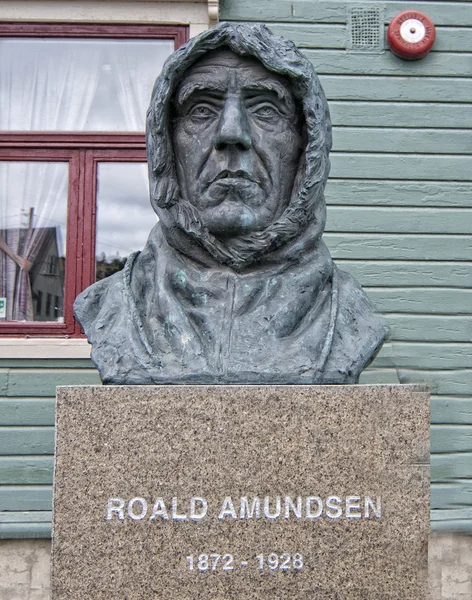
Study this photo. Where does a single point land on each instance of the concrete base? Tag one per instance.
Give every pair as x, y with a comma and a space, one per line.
450, 566
25, 574
25, 569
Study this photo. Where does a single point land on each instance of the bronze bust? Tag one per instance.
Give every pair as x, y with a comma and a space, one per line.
235, 284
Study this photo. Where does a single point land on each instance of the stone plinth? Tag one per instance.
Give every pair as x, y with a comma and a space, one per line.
241, 492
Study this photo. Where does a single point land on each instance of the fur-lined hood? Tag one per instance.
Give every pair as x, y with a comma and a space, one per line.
306, 208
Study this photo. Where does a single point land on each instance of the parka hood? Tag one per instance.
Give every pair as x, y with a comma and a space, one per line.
305, 214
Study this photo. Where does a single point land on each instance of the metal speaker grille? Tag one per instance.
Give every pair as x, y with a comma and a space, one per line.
366, 29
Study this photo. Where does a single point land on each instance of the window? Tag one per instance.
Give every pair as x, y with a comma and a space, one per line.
73, 179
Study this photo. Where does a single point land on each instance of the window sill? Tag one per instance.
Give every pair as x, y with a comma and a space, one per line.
45, 348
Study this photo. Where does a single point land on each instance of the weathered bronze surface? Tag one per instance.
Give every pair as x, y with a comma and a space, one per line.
235, 284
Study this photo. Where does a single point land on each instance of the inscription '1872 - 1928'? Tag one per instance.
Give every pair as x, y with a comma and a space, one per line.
269, 507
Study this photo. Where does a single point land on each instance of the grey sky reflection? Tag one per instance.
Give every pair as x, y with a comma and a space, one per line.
124, 213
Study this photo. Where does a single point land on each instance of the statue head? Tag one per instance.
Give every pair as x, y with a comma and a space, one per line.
238, 137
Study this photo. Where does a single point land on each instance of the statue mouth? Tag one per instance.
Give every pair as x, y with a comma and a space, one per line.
233, 176
234, 186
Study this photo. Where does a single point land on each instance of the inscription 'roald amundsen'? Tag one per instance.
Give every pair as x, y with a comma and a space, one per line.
269, 507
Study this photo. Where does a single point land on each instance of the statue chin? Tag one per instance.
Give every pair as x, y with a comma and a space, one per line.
234, 207
230, 219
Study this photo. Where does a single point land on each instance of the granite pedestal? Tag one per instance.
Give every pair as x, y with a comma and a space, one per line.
241, 492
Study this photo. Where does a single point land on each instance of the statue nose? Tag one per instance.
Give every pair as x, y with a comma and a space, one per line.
233, 126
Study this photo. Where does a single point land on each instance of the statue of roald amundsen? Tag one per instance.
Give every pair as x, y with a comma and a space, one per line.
235, 284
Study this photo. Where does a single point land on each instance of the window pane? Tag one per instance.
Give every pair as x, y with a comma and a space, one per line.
33, 214
57, 84
124, 214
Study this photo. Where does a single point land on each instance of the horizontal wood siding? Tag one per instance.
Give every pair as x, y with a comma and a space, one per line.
331, 11
399, 203
27, 418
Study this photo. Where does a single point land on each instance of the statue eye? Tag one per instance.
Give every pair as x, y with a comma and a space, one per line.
202, 112
266, 112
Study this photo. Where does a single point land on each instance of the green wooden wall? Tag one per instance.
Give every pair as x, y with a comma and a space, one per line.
27, 402
400, 205
399, 218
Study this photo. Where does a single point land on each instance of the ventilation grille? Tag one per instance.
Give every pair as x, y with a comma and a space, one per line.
366, 29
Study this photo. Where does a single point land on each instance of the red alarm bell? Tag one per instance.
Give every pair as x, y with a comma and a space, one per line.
411, 35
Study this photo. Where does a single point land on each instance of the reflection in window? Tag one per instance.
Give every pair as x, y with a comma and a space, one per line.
57, 307
33, 207
124, 214
51, 265
48, 304
38, 298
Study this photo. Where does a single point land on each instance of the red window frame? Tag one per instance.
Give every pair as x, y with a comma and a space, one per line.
82, 150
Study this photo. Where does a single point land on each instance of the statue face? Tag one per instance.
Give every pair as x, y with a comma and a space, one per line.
237, 142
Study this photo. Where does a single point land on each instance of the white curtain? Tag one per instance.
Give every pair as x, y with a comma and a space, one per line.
135, 66
46, 84
42, 87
